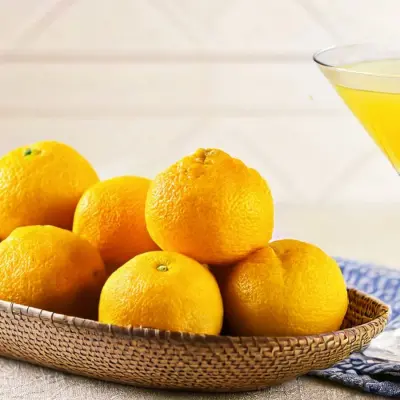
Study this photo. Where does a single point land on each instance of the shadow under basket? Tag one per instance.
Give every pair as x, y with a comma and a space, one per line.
171, 360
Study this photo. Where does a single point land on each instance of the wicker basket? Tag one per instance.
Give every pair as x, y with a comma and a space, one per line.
170, 360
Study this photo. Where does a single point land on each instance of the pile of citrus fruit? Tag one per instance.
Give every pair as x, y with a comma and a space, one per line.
188, 251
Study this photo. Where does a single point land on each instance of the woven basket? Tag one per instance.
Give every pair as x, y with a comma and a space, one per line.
170, 360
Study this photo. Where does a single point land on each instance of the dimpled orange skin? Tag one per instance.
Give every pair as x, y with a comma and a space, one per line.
53, 269
286, 289
110, 215
41, 184
163, 290
211, 207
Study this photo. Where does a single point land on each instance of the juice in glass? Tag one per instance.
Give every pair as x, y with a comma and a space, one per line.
376, 105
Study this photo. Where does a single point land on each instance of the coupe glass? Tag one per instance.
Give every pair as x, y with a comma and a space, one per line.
367, 78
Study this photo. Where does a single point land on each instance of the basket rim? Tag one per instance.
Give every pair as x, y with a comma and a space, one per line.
129, 333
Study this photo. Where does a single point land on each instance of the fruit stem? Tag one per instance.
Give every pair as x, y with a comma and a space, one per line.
162, 268
30, 151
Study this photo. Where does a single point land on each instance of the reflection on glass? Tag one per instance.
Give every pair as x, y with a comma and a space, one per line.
367, 78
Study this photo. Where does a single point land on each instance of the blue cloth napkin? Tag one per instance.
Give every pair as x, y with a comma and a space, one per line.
377, 368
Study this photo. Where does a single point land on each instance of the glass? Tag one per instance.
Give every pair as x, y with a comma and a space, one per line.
367, 78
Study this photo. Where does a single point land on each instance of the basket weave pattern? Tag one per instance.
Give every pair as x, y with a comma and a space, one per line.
158, 359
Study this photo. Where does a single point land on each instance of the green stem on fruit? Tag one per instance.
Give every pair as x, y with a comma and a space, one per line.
29, 152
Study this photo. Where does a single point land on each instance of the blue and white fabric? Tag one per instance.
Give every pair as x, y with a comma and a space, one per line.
376, 369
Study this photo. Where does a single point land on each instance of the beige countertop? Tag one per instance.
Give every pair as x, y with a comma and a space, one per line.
363, 232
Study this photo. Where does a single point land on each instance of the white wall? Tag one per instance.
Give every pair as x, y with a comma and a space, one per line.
135, 84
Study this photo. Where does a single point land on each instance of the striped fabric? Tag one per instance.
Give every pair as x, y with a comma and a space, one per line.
379, 374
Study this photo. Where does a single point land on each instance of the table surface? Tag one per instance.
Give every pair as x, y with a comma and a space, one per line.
367, 233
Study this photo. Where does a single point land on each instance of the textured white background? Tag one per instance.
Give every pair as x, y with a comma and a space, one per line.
136, 84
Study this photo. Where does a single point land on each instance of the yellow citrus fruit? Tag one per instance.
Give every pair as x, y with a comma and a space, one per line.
211, 207
288, 288
41, 184
53, 269
110, 215
163, 290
